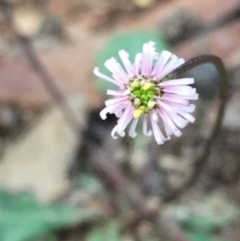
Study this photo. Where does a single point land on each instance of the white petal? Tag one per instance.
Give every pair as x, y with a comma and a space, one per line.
157, 132
103, 76
114, 131
181, 97
137, 63
111, 109
187, 116
122, 99
166, 106
103, 113
116, 93
119, 113
154, 116
175, 99
125, 119
162, 60
126, 62
169, 122
145, 131
168, 67
178, 120
118, 73
180, 90
147, 58
173, 64
189, 109
132, 131
186, 81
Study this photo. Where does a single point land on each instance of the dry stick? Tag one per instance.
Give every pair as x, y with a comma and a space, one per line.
39, 69
223, 96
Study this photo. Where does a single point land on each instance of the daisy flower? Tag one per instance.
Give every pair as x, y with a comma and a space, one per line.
146, 93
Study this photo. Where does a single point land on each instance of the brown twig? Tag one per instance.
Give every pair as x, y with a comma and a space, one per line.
30, 54
223, 97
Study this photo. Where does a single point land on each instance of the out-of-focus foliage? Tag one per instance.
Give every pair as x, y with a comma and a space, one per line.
109, 231
202, 220
131, 42
22, 217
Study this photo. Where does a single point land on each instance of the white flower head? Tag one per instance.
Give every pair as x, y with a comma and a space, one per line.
145, 91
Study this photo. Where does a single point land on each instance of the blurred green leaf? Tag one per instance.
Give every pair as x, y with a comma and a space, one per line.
110, 231
212, 213
90, 184
131, 42
199, 237
203, 237
22, 217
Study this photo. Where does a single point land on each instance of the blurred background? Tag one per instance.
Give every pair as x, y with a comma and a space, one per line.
62, 176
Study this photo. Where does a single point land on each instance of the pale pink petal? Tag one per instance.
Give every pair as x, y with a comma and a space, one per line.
180, 90
172, 64
181, 97
122, 99
132, 131
145, 131
118, 113
189, 109
137, 63
126, 62
111, 109
147, 58
178, 120
166, 106
167, 129
185, 81
111, 65
154, 116
162, 60
164, 115
113, 133
103, 113
157, 132
116, 93
187, 116
123, 73
116, 108
125, 119
175, 99
103, 76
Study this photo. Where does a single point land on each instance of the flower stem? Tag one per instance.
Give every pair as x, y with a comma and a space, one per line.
223, 97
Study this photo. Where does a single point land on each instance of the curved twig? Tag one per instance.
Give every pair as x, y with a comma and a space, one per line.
33, 60
223, 96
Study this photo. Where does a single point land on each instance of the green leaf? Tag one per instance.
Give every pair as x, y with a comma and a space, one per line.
199, 236
212, 213
203, 237
22, 217
110, 231
132, 42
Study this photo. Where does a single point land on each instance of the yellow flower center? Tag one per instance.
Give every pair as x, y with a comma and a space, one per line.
143, 93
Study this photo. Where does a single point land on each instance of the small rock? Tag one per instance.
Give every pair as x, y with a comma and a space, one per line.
39, 163
144, 3
232, 116
27, 21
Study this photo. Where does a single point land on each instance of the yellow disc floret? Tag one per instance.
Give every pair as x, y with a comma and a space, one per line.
143, 93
